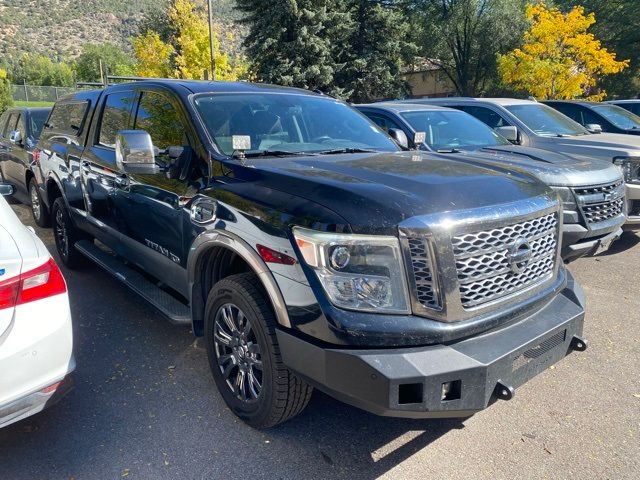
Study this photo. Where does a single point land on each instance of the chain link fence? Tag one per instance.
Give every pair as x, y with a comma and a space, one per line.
36, 93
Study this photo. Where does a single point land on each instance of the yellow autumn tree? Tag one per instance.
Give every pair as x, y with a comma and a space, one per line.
6, 98
154, 56
194, 57
559, 59
187, 53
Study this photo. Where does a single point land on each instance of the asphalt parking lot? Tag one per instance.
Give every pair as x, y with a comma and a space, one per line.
145, 406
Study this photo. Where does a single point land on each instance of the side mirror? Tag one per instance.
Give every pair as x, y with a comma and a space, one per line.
509, 132
399, 137
6, 189
16, 137
135, 152
593, 128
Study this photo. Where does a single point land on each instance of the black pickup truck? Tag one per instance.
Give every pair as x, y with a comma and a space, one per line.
312, 251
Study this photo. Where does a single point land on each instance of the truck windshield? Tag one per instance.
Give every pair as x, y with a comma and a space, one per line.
546, 121
288, 123
620, 117
453, 129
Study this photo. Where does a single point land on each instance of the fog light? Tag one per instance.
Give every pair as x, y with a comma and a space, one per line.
451, 390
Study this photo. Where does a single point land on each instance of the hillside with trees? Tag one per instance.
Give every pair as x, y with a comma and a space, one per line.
60, 28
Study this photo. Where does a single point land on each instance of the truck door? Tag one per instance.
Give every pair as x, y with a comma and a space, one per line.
150, 208
98, 171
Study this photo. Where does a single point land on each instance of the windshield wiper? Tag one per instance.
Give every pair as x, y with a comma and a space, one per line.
447, 150
277, 153
337, 151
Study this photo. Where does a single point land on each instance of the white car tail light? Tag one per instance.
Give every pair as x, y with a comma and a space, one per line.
41, 282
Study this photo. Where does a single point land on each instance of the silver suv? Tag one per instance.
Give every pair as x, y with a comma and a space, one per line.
532, 124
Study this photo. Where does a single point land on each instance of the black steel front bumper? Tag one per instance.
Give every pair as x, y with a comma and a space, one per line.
452, 380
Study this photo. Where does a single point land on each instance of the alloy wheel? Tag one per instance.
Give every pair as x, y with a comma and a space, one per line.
238, 353
35, 202
62, 237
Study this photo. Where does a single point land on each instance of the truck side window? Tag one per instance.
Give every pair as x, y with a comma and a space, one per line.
67, 117
115, 117
486, 115
159, 117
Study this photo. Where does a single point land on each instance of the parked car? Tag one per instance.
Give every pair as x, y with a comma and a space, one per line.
631, 105
540, 126
592, 190
598, 117
19, 132
36, 343
310, 251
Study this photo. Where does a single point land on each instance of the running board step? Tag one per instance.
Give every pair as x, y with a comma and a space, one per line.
176, 311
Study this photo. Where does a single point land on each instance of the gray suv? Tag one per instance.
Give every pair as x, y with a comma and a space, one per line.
532, 124
592, 190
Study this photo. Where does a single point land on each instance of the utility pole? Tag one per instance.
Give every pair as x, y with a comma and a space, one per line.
213, 55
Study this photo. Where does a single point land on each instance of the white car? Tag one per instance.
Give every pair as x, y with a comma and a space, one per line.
36, 341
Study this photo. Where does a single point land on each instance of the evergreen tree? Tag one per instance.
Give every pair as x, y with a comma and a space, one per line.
377, 49
294, 42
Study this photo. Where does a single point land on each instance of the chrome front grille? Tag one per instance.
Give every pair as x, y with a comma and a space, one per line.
487, 265
423, 272
603, 211
601, 202
604, 189
466, 264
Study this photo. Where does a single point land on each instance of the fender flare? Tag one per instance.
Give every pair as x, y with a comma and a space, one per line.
223, 238
52, 178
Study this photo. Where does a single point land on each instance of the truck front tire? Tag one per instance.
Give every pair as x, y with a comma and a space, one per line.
244, 355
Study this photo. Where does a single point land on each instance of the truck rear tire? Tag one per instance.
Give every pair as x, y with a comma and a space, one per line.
66, 235
244, 355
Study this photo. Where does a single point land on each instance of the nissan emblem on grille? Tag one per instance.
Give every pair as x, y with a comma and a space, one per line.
495, 263
519, 255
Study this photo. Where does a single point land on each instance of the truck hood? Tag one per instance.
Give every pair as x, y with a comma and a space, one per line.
377, 191
604, 146
551, 168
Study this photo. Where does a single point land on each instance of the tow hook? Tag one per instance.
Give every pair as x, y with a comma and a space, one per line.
504, 391
578, 344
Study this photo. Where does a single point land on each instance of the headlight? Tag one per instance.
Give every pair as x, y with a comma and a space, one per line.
357, 272
630, 167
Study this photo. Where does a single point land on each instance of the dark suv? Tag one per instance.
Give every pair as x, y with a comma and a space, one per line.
310, 250
598, 117
19, 132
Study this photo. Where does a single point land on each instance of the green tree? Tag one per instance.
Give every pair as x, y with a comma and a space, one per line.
6, 99
114, 60
377, 48
296, 42
462, 37
35, 69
